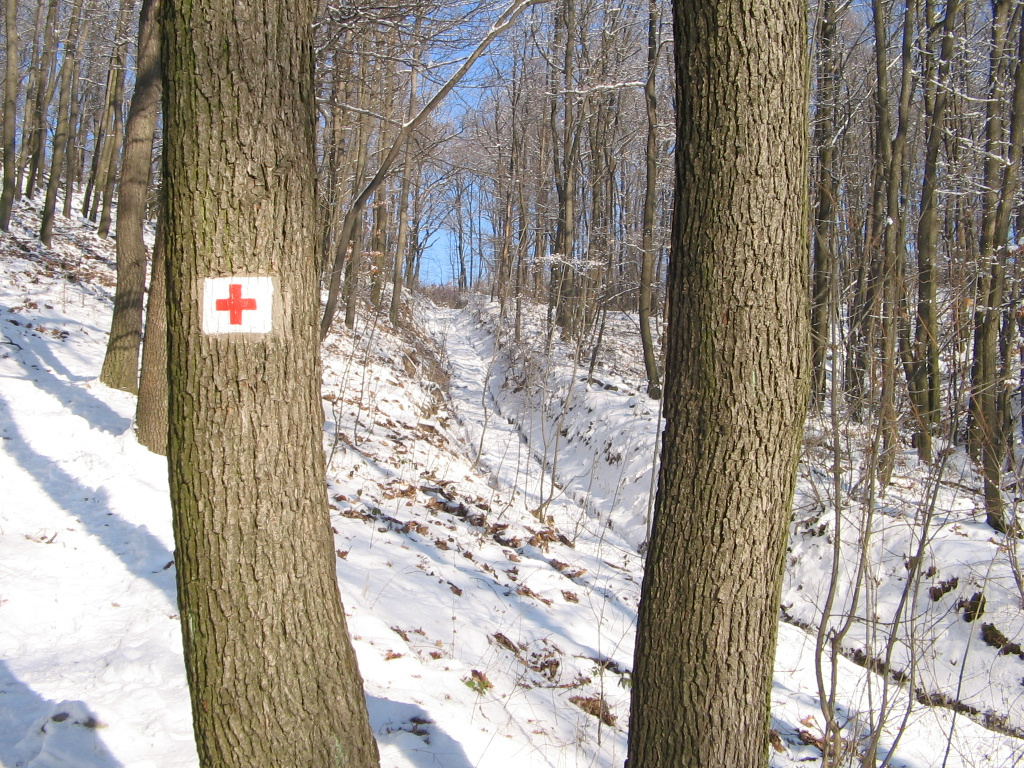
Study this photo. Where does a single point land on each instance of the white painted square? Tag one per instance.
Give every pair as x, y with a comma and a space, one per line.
238, 305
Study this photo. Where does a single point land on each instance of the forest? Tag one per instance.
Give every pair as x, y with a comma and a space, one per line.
523, 163
545, 174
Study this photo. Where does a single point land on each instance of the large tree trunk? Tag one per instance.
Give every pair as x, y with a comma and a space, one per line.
121, 364
736, 388
272, 673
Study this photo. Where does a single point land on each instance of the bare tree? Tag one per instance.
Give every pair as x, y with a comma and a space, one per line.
736, 356
271, 670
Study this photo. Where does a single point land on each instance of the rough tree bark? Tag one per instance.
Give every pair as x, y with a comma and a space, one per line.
272, 674
736, 387
121, 363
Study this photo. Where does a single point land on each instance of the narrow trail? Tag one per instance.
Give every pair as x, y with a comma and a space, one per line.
499, 442
496, 444
578, 453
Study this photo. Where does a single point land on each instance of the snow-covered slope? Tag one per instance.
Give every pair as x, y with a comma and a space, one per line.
492, 607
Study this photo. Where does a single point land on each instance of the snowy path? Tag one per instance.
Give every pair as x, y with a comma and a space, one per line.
495, 441
519, 449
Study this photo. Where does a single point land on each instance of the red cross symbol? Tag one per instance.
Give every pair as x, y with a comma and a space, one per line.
235, 304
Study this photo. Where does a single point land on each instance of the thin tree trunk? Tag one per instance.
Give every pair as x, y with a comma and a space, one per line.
34, 78
650, 199
890, 152
36, 144
1002, 438
355, 261
109, 138
925, 386
394, 312
98, 149
824, 214
60, 136
984, 395
10, 115
378, 245
110, 174
70, 156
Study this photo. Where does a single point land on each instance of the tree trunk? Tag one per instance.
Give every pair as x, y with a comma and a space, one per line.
378, 246
927, 379
736, 388
151, 408
105, 192
272, 674
822, 306
60, 136
984, 395
35, 149
103, 146
996, 402
10, 115
35, 76
71, 152
889, 156
121, 363
395, 309
650, 198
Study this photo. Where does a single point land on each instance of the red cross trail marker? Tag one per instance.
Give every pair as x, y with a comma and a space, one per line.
234, 304
238, 305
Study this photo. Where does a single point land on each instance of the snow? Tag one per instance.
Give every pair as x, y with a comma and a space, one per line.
490, 506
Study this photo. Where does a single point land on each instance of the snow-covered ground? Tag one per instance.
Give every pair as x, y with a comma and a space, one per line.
488, 506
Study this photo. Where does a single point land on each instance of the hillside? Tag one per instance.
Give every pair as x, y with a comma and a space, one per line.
490, 503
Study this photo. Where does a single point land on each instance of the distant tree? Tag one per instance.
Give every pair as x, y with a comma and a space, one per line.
37, 98
647, 276
10, 110
62, 132
736, 387
271, 670
121, 363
